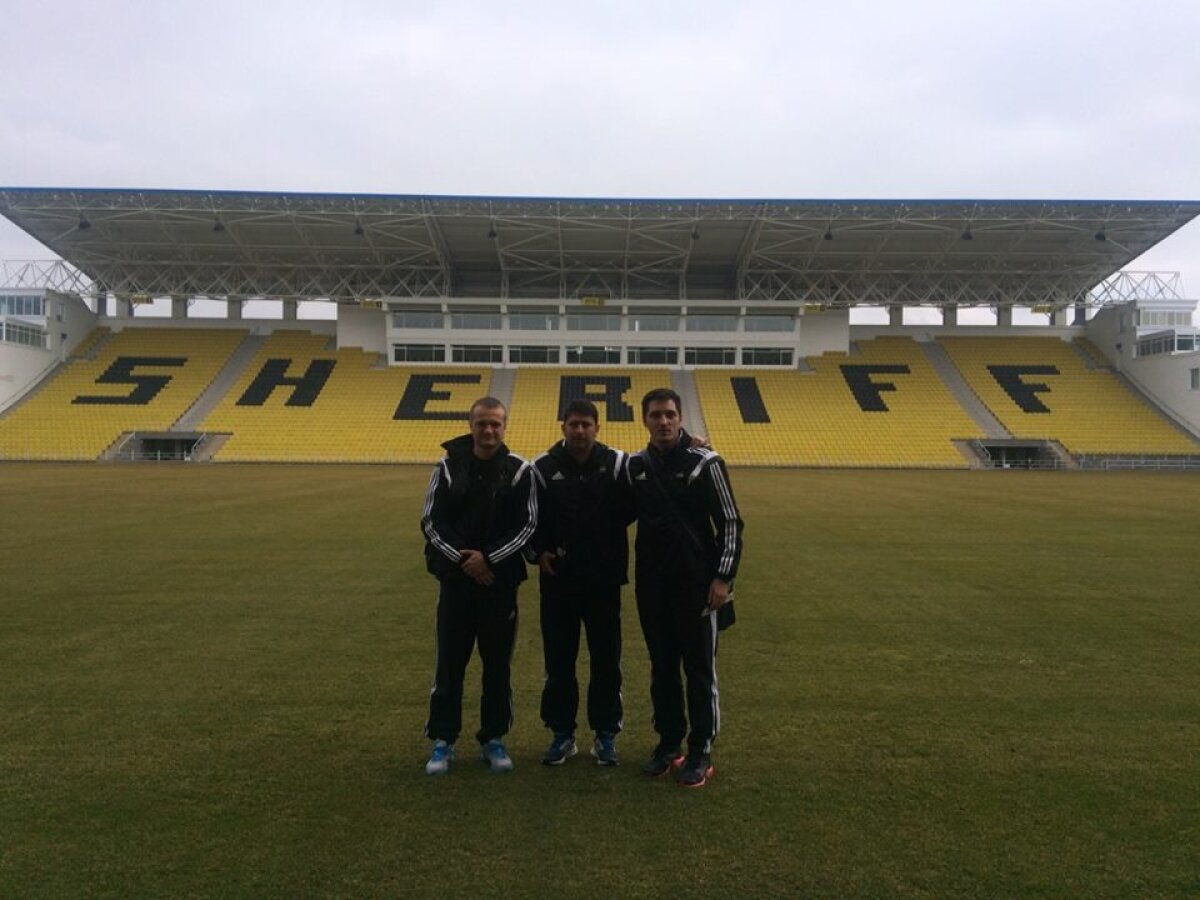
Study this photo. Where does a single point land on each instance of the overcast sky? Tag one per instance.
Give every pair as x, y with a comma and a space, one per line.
1097, 100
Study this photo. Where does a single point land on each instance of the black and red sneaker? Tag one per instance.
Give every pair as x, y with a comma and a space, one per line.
696, 771
663, 760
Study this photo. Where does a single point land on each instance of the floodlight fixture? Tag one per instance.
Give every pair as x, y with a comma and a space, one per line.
218, 225
967, 236
491, 232
828, 235
1100, 235
358, 228
695, 233
84, 224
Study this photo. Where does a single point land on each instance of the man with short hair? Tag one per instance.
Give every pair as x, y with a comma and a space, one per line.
689, 542
582, 548
480, 510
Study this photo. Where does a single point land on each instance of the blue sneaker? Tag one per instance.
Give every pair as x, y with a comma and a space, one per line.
440, 758
605, 750
561, 748
496, 756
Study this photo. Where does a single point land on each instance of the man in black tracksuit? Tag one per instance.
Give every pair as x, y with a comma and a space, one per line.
582, 548
480, 511
689, 542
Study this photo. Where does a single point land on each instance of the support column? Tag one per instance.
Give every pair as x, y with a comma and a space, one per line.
1004, 316
122, 305
179, 307
289, 310
1058, 318
950, 314
1080, 314
233, 309
895, 314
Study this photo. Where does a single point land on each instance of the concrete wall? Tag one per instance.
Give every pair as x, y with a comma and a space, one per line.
69, 321
1166, 378
365, 328
821, 332
21, 368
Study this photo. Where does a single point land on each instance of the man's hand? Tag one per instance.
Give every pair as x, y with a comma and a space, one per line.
546, 563
699, 440
474, 565
718, 595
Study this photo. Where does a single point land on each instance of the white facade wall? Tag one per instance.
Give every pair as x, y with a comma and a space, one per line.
1165, 378
22, 367
365, 328
812, 333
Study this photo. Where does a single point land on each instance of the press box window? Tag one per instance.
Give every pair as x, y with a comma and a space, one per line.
770, 323
533, 354
581, 321
653, 356
533, 320
712, 323
475, 320
594, 355
654, 322
411, 318
467, 353
709, 356
418, 353
766, 356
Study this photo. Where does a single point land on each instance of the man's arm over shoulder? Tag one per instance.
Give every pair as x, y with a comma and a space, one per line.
516, 534
542, 469
434, 522
623, 486
725, 515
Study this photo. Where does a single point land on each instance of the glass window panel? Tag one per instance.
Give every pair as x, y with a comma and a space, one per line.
770, 323
485, 320
711, 323
419, 353
654, 322
473, 353
653, 356
533, 320
767, 356
417, 319
593, 321
709, 356
594, 355
533, 354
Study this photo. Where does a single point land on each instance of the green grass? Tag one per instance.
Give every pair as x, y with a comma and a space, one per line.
213, 682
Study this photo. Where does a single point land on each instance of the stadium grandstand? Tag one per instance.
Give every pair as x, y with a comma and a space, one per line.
745, 307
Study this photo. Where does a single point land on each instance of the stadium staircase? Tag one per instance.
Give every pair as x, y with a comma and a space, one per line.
220, 386
1091, 355
963, 393
502, 385
693, 413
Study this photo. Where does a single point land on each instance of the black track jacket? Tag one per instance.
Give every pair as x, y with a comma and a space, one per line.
487, 505
709, 545
584, 511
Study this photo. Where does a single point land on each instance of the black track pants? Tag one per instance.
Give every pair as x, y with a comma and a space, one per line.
466, 614
677, 634
564, 607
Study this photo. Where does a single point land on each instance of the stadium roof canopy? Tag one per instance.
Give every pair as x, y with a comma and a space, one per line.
371, 246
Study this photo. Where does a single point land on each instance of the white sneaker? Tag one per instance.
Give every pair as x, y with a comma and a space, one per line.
439, 758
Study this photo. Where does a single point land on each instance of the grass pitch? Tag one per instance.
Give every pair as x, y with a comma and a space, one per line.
213, 681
